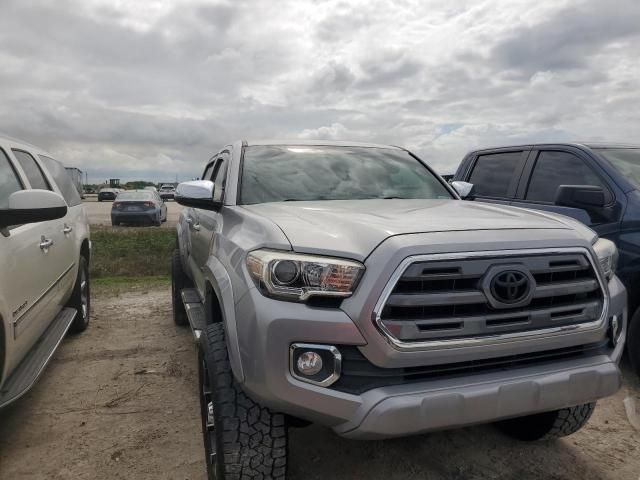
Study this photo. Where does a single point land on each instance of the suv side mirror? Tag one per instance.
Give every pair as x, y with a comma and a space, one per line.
464, 189
197, 194
586, 197
31, 206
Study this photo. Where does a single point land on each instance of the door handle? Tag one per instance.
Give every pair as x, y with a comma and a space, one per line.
196, 227
67, 229
189, 220
192, 224
45, 243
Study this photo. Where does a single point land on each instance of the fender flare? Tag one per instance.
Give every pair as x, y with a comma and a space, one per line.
220, 282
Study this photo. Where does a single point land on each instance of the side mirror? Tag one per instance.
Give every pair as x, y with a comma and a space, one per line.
197, 194
586, 197
464, 189
30, 206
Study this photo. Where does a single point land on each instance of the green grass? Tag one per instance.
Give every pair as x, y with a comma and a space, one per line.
119, 285
118, 254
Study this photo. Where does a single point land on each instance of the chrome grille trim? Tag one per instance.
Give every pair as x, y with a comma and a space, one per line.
500, 338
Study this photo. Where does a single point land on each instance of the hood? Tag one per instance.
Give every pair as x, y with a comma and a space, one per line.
356, 227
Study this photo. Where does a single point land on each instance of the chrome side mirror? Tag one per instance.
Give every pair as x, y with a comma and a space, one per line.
464, 189
197, 194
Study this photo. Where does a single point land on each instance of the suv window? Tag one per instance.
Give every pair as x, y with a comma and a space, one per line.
207, 172
9, 182
32, 170
493, 173
63, 180
553, 169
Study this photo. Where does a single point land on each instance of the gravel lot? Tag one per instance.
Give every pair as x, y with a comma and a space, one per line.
100, 212
120, 402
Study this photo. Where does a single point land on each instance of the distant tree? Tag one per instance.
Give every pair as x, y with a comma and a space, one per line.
138, 185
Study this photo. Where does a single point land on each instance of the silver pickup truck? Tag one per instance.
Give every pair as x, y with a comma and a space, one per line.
44, 264
347, 284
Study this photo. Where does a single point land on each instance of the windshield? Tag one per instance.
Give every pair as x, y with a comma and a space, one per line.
135, 196
299, 173
625, 160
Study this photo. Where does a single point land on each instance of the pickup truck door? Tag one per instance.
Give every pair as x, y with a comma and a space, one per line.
203, 233
29, 276
496, 174
547, 169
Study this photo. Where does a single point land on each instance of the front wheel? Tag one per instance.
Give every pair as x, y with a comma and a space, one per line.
81, 297
548, 425
242, 439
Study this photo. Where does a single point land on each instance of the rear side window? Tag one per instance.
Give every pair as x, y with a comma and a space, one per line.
492, 174
220, 177
9, 182
553, 169
63, 180
32, 170
207, 172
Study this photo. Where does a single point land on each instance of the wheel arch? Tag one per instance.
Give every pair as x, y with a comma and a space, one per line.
220, 308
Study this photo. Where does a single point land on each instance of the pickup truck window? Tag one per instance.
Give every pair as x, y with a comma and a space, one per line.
298, 173
625, 160
9, 182
493, 173
63, 180
32, 170
553, 169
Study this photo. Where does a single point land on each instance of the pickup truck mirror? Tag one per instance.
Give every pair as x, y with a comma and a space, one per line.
464, 189
586, 197
197, 194
30, 206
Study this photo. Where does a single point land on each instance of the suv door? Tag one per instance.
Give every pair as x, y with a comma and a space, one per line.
28, 277
209, 222
547, 169
495, 174
68, 247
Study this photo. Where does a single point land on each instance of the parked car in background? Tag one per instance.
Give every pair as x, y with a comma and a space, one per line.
596, 183
106, 194
167, 192
138, 206
44, 253
347, 284
76, 177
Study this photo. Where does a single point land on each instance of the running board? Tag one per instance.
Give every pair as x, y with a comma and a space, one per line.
27, 373
195, 311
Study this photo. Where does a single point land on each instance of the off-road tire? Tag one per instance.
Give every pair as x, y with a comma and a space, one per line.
179, 281
250, 440
81, 297
633, 342
548, 425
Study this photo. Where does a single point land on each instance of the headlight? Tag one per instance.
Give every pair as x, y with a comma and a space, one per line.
607, 256
294, 276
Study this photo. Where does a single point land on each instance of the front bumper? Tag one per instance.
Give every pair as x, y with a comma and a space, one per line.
268, 328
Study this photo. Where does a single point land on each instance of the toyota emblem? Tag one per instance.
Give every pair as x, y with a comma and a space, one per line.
510, 286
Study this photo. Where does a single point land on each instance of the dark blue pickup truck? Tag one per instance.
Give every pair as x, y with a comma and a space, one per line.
598, 184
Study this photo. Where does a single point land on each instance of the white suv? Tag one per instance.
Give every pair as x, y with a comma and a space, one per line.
44, 253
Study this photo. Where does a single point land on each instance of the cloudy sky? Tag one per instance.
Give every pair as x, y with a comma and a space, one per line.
149, 89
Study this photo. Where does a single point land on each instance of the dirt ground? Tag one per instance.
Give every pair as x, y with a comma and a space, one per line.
120, 402
100, 212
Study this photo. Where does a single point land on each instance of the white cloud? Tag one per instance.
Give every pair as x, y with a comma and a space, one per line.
153, 87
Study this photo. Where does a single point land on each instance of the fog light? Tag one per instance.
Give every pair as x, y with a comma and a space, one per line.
317, 364
309, 363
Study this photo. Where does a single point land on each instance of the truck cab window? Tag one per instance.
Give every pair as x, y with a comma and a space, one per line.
492, 174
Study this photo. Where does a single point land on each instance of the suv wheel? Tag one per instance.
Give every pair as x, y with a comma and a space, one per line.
242, 439
81, 297
633, 342
179, 280
548, 425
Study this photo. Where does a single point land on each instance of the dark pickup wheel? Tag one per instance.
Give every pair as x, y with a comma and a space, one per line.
242, 439
548, 425
81, 297
179, 281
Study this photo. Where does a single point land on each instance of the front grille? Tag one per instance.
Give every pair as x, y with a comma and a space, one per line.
359, 375
450, 299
